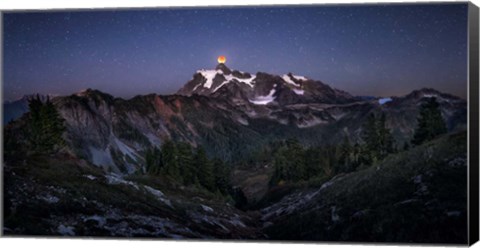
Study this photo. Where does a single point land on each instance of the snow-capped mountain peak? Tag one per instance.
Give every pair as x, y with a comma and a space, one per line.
261, 88
206, 82
293, 79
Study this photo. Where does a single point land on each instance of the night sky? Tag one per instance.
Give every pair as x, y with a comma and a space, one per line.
364, 49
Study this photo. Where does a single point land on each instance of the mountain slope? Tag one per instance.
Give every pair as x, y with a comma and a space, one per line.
231, 114
415, 196
114, 133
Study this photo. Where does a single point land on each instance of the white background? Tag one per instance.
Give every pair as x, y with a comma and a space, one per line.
74, 243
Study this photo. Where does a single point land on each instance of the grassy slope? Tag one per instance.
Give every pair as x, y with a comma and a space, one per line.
414, 196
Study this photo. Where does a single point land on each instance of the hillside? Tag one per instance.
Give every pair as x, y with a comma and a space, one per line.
414, 196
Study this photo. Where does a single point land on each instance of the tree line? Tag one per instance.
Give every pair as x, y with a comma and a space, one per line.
294, 162
188, 166
291, 160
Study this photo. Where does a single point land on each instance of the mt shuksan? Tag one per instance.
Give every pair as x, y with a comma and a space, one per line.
262, 88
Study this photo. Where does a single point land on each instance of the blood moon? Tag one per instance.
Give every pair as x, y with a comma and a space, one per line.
221, 59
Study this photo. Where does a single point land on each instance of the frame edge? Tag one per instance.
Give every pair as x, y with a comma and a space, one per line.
473, 80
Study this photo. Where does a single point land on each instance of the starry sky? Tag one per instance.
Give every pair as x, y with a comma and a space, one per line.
380, 50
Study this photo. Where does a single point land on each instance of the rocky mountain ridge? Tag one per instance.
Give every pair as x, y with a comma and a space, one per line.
231, 114
262, 88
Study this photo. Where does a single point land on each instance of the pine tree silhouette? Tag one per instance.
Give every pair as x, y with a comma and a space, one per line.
430, 122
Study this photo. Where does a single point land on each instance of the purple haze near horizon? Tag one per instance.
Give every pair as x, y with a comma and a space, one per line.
379, 50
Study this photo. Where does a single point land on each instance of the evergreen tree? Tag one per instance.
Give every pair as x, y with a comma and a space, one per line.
378, 139
154, 161
386, 142
289, 162
346, 161
205, 169
222, 176
295, 160
170, 160
188, 167
52, 125
185, 163
371, 138
356, 155
280, 164
313, 161
430, 122
45, 125
35, 123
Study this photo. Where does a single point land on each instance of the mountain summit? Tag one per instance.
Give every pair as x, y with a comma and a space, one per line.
222, 67
261, 88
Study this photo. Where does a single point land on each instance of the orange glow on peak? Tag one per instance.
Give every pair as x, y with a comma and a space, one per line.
221, 59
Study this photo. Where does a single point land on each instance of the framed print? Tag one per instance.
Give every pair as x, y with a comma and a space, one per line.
348, 123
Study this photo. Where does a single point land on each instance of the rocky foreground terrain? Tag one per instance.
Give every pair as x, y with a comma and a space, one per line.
415, 196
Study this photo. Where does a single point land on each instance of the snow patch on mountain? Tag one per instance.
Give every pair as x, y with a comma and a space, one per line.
194, 88
298, 91
264, 100
287, 79
382, 101
248, 81
301, 78
221, 85
209, 75
230, 78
